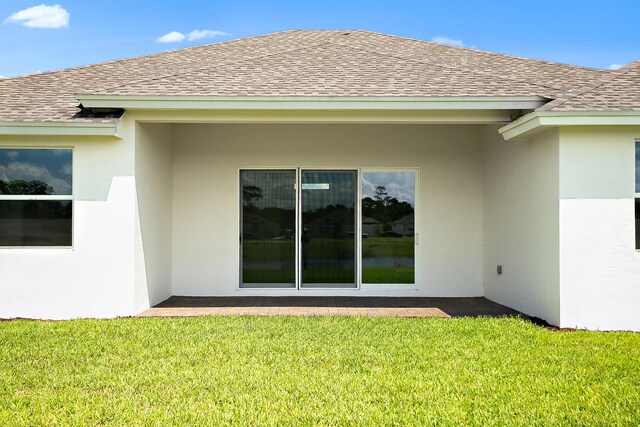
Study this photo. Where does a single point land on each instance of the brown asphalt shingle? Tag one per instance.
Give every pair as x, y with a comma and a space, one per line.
329, 70
619, 91
294, 63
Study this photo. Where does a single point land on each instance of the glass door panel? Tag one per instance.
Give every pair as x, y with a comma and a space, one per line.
267, 227
328, 229
388, 228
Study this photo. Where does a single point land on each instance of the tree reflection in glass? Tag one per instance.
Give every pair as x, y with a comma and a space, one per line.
388, 227
40, 173
328, 228
268, 224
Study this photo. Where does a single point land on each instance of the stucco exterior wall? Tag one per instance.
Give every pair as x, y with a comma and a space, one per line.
94, 278
521, 227
599, 265
206, 196
156, 214
154, 184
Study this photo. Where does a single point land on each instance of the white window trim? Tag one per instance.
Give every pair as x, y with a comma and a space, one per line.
33, 197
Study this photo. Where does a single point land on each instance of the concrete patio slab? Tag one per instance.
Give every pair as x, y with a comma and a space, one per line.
180, 306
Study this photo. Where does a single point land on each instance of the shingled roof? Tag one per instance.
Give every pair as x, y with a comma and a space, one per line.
314, 63
618, 91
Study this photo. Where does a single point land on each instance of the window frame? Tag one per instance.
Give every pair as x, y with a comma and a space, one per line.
416, 230
52, 197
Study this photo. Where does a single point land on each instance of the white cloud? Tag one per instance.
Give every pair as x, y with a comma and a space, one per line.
177, 37
41, 16
28, 171
172, 37
205, 34
400, 185
615, 66
447, 40
66, 169
2, 77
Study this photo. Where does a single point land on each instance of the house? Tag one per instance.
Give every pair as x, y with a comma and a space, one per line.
371, 226
127, 182
405, 225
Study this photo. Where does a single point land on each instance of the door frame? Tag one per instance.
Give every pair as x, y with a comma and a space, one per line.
359, 285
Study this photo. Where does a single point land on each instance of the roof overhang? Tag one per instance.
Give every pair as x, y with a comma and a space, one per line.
110, 129
150, 102
537, 121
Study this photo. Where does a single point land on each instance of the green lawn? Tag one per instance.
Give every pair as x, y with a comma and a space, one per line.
315, 371
390, 275
311, 275
388, 246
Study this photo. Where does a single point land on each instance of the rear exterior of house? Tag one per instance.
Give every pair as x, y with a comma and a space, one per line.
322, 163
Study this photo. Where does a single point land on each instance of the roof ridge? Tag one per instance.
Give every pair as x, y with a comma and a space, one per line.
485, 51
191, 70
114, 61
630, 66
450, 67
589, 87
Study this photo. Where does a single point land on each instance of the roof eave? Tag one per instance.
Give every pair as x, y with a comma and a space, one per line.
179, 102
537, 121
108, 129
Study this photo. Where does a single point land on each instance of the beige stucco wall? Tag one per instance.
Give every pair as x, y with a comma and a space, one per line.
521, 229
154, 188
94, 278
599, 265
156, 214
206, 160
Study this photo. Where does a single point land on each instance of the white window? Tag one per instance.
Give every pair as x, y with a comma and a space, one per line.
36, 201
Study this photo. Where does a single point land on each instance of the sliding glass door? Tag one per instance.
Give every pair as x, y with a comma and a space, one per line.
267, 229
388, 227
298, 228
328, 236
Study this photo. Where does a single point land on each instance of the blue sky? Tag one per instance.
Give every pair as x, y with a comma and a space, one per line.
590, 33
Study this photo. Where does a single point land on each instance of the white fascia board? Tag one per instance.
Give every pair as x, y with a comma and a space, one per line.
323, 116
60, 128
521, 127
149, 102
537, 121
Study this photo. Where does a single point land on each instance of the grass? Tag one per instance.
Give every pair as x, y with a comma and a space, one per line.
388, 247
315, 371
388, 275
269, 276
276, 250
326, 249
311, 275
